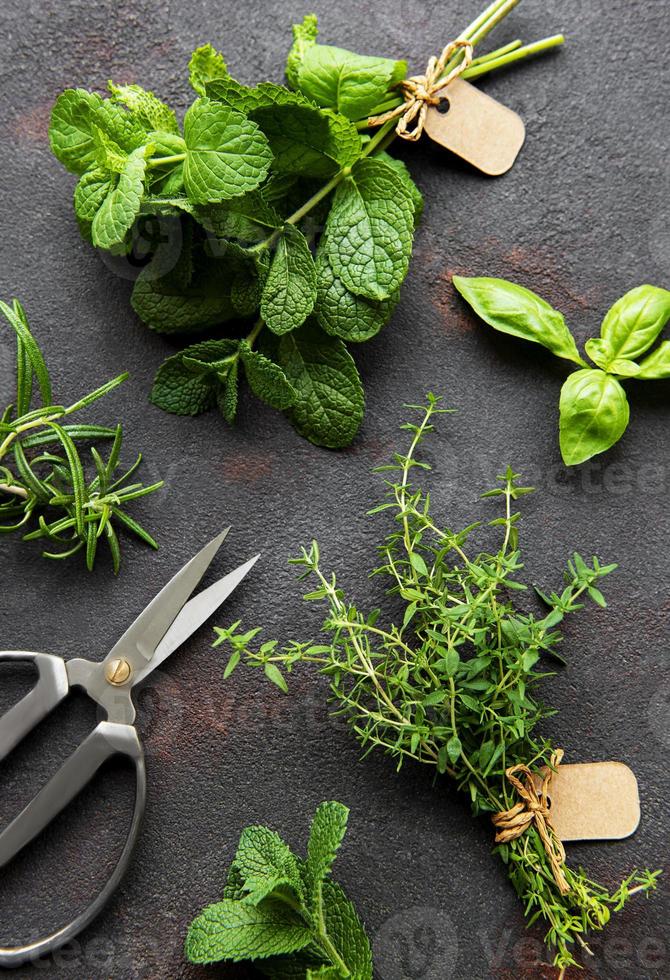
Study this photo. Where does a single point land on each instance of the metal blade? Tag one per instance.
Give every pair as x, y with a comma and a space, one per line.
138, 644
196, 612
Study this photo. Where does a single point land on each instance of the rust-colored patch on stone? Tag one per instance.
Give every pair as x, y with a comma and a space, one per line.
246, 469
32, 126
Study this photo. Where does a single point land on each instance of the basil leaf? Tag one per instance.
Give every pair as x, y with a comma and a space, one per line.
594, 415
657, 364
289, 293
226, 153
518, 311
349, 83
370, 229
329, 404
634, 322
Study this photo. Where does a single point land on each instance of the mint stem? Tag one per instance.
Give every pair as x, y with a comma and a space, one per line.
539, 47
166, 161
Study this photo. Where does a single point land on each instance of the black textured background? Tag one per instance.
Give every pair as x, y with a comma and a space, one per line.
581, 218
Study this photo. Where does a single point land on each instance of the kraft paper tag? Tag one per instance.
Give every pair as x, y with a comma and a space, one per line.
593, 801
476, 128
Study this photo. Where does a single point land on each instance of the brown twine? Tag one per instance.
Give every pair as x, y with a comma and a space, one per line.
419, 91
533, 808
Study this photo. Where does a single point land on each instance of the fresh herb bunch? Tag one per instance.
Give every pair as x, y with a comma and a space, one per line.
454, 685
594, 410
274, 205
42, 475
285, 914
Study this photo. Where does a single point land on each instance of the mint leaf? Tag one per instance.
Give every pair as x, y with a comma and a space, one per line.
145, 106
90, 192
169, 305
236, 931
343, 314
518, 311
186, 383
70, 130
266, 379
370, 229
307, 140
248, 218
248, 99
304, 37
227, 154
179, 390
206, 64
289, 293
265, 862
116, 215
329, 404
594, 415
227, 393
326, 834
400, 169
349, 83
346, 931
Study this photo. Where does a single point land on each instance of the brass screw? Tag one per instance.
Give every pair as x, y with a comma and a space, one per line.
117, 672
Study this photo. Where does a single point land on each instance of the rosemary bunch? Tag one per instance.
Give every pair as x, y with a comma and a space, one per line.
44, 489
453, 685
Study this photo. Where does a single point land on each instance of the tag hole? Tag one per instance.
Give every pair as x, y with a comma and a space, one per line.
548, 801
444, 105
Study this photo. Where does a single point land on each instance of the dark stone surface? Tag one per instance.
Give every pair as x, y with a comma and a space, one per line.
581, 218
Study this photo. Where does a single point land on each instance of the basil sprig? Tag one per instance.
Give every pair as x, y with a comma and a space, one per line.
594, 410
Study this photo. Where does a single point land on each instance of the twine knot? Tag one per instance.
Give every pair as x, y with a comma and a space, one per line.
533, 809
419, 91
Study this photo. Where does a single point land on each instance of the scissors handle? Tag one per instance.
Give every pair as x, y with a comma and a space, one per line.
106, 740
51, 688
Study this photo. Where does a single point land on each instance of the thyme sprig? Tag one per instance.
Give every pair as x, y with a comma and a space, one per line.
43, 479
454, 685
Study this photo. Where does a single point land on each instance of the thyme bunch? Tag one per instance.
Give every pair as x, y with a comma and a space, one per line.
44, 489
454, 684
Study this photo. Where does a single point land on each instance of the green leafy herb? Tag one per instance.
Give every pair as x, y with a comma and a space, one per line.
283, 913
274, 205
43, 481
452, 683
594, 410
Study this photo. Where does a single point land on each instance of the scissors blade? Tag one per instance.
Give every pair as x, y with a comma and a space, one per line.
196, 612
150, 627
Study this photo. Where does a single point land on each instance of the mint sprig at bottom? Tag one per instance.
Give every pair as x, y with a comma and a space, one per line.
283, 913
274, 205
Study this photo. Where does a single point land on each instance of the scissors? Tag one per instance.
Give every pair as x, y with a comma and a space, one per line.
167, 622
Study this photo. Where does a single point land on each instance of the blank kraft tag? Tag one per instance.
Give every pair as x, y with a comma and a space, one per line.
476, 128
593, 801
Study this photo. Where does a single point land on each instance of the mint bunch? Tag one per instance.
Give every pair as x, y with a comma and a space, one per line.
284, 215
285, 914
272, 205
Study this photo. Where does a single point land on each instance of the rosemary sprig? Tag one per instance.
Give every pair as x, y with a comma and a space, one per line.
42, 475
454, 685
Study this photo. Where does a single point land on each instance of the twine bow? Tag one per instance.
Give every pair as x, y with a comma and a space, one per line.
533, 808
419, 91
